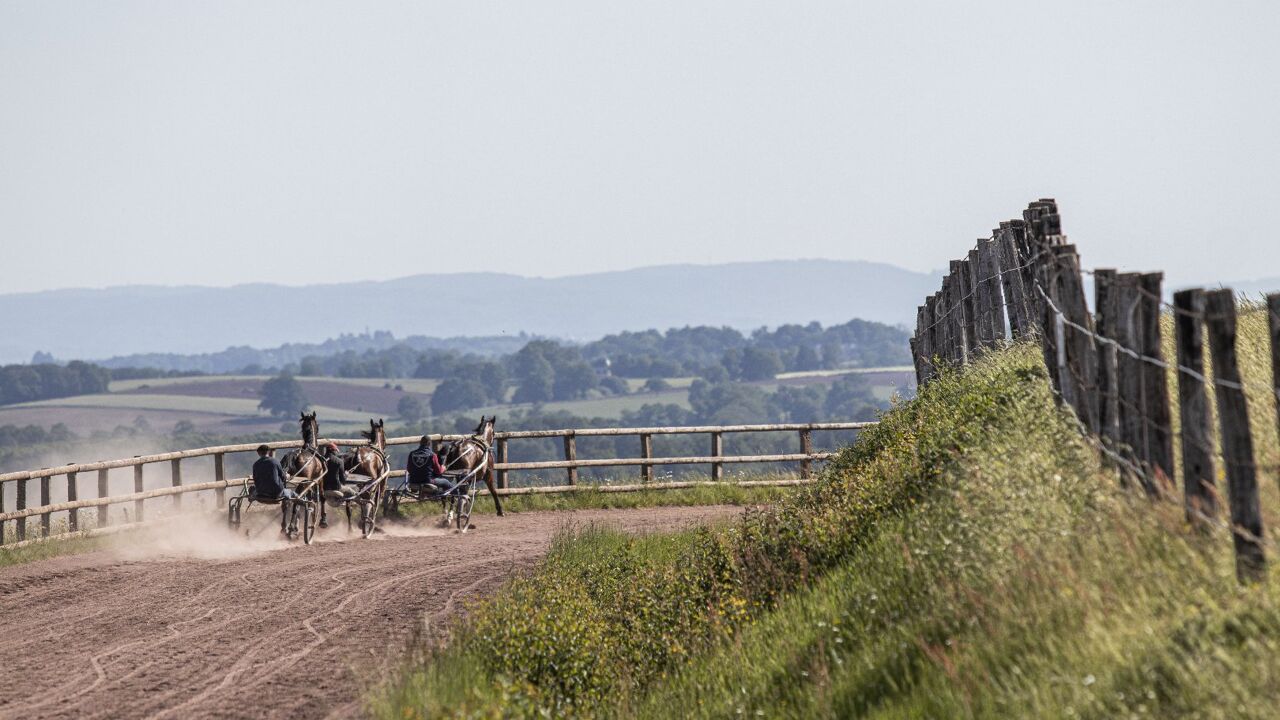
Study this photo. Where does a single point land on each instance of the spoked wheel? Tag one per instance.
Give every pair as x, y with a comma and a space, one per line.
308, 522
233, 513
464, 504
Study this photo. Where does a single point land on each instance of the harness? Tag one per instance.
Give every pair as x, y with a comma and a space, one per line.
479, 442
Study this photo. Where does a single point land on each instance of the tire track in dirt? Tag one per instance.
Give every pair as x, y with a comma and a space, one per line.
219, 626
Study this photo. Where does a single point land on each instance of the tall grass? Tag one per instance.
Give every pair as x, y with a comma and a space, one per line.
968, 557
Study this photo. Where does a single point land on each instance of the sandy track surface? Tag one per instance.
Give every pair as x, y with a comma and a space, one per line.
195, 622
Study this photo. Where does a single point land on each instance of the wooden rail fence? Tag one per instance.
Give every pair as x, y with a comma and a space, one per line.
503, 467
1109, 366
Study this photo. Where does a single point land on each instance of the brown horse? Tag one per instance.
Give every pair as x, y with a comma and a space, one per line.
369, 460
473, 452
305, 464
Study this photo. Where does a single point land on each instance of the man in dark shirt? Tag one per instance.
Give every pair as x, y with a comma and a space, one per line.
336, 486
424, 469
268, 477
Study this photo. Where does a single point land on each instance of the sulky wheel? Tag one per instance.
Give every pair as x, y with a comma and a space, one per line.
464, 512
233, 513
308, 521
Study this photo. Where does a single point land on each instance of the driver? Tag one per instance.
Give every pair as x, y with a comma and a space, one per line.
336, 486
424, 469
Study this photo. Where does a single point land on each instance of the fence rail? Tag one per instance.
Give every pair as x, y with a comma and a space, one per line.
646, 461
1108, 365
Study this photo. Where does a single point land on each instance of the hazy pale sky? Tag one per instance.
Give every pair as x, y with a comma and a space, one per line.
226, 142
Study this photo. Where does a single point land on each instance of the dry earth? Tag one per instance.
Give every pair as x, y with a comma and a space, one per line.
197, 622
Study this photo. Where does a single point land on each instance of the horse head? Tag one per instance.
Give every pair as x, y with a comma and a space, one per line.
310, 429
376, 434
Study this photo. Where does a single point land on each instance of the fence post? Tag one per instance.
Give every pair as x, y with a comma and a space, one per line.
220, 475
978, 302
968, 307
717, 450
1237, 444
175, 473
137, 487
942, 316
22, 505
502, 458
73, 515
571, 455
44, 502
933, 332
955, 313
1080, 351
1199, 495
1129, 387
1104, 281
989, 256
1273, 315
104, 517
1155, 380
806, 447
2, 537
1015, 299
646, 452
915, 359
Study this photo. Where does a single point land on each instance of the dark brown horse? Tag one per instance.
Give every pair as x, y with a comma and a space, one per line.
473, 452
305, 463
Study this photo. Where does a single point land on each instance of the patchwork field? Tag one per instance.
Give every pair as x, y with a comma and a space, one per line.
228, 404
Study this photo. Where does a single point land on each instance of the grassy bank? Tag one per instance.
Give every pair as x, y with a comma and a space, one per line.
589, 498
968, 557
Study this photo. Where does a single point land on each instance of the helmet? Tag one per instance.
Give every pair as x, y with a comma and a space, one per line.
331, 447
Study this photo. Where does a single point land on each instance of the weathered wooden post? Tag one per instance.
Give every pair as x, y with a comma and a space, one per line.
717, 450
968, 311
220, 475
1155, 381
956, 313
978, 302
571, 455
646, 452
916, 361
1273, 323
806, 447
942, 319
104, 517
1237, 444
933, 332
2, 536
1129, 389
1079, 350
137, 487
175, 475
502, 458
1007, 256
22, 505
73, 515
1105, 324
44, 502
1200, 497
989, 256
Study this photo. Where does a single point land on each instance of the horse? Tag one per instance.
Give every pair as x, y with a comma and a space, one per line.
369, 460
473, 452
305, 463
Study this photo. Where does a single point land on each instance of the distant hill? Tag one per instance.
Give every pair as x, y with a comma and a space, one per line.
126, 320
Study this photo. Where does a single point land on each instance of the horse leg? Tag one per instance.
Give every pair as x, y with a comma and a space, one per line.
347, 505
493, 493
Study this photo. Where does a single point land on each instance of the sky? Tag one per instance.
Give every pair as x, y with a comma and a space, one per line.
222, 143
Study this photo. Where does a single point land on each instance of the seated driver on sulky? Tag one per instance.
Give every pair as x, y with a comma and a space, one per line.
425, 471
336, 486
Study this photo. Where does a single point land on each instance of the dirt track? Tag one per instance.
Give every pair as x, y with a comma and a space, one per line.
207, 625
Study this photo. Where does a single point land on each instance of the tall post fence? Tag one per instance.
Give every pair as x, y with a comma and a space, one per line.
14, 523
1108, 365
